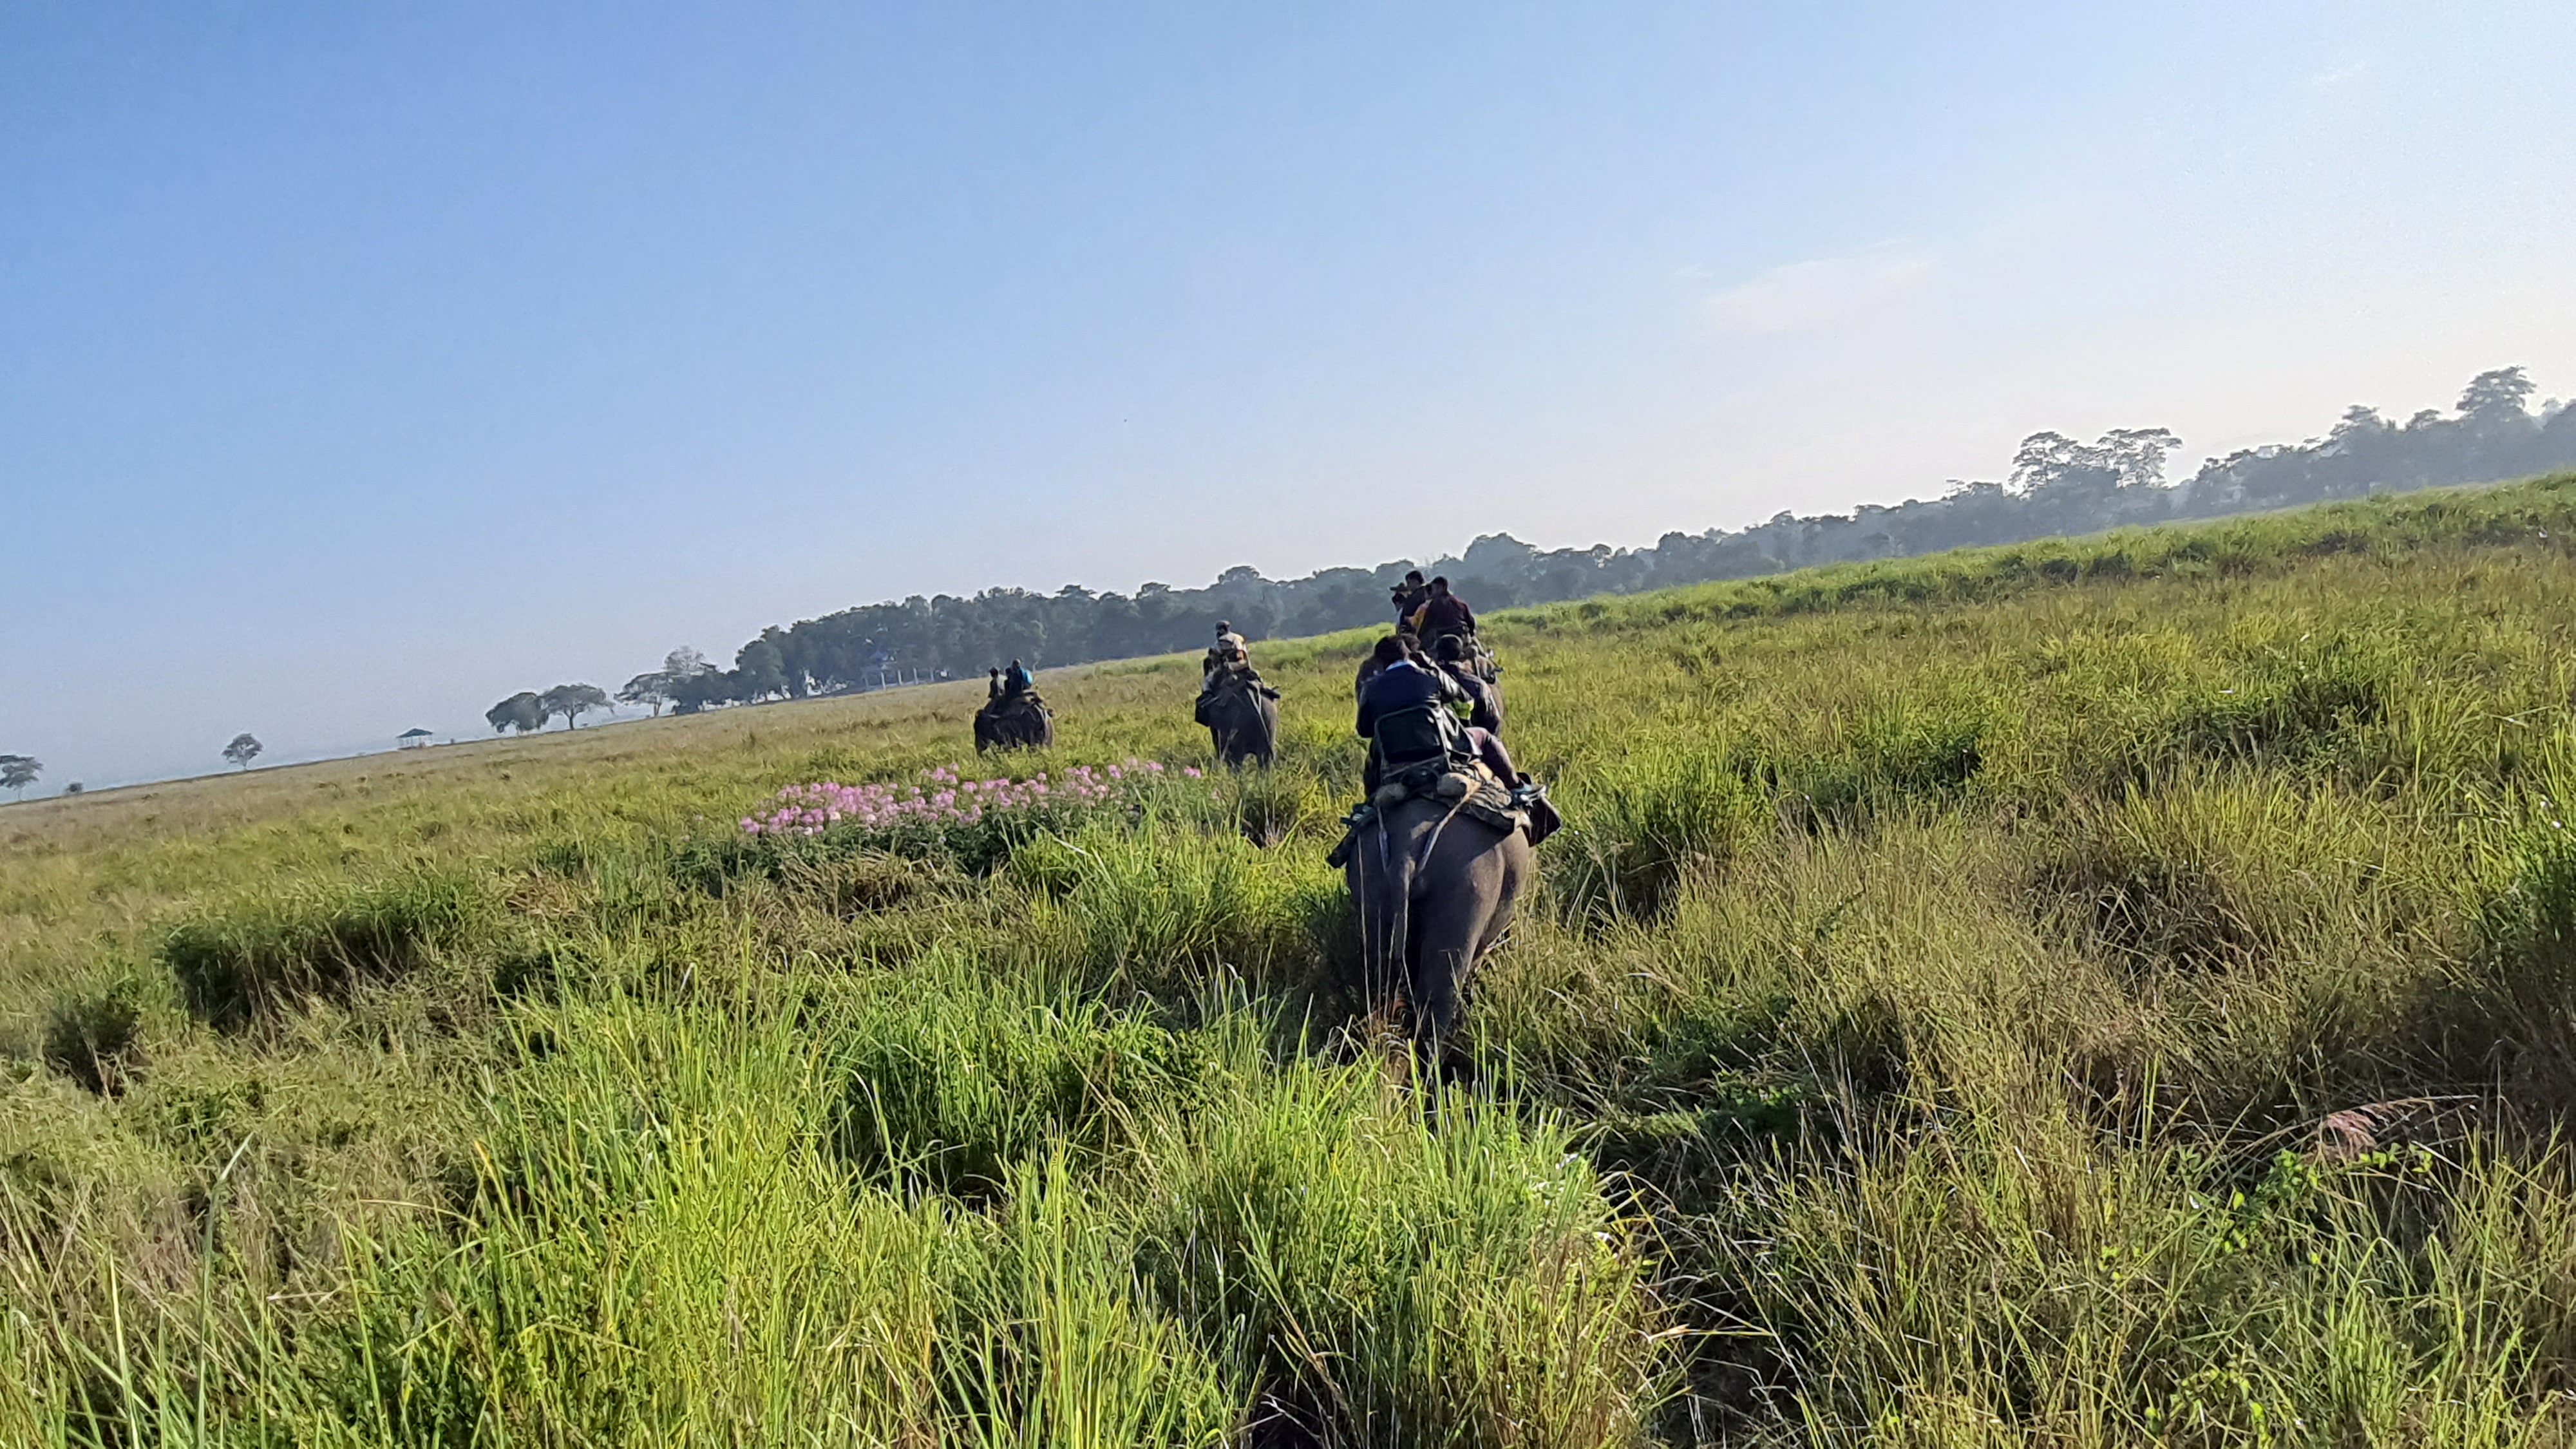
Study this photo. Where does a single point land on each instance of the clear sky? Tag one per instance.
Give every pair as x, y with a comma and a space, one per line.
362, 364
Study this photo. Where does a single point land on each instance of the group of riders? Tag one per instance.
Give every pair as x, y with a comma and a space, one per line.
1431, 710
1412, 690
1007, 691
1411, 694
1426, 694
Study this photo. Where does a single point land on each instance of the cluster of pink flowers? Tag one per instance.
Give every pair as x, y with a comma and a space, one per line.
947, 798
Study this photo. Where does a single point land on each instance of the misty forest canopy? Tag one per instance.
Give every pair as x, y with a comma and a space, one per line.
2057, 486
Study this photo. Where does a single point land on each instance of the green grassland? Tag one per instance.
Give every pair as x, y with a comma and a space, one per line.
1922, 1037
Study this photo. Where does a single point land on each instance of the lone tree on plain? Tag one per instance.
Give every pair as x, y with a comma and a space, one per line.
653, 690
571, 700
17, 772
522, 711
244, 749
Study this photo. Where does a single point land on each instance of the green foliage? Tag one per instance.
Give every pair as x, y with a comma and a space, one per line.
261, 954
1409, 1268
572, 701
955, 1083
524, 711
1648, 815
90, 1037
1926, 1033
1159, 912
1952, 1281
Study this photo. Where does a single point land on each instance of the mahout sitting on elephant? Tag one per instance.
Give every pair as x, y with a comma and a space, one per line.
1242, 718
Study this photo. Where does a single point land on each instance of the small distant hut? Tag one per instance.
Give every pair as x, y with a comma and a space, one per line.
411, 739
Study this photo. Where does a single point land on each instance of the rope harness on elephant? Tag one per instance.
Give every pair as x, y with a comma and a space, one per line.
1474, 789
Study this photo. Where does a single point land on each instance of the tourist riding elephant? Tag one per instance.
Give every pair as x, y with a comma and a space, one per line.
1433, 887
1242, 720
1014, 722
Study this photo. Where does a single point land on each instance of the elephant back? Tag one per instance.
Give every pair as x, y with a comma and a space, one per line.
1469, 790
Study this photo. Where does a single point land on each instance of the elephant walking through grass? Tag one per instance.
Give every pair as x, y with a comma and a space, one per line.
1242, 723
1433, 887
1007, 723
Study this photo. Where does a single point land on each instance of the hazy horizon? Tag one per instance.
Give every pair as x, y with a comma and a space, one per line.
360, 369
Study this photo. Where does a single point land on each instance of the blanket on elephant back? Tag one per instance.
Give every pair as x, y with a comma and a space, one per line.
1470, 790
1008, 706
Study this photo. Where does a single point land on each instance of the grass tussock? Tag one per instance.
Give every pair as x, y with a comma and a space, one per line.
261, 954
2103, 991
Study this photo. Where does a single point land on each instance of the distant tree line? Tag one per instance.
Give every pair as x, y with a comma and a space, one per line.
2056, 486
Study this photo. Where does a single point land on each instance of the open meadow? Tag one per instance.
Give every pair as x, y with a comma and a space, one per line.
1943, 1024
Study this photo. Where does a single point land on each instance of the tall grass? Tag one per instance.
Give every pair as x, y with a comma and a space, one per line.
2102, 991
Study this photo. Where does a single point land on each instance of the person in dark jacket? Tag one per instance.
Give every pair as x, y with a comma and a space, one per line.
1443, 612
1408, 598
1484, 703
1017, 679
1405, 712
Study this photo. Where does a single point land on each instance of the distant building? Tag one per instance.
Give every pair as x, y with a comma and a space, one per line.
411, 739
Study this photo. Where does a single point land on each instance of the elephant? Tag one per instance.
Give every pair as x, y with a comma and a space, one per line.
1005, 724
1433, 888
1242, 721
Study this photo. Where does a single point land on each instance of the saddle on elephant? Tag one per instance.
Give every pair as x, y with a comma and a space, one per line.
1470, 788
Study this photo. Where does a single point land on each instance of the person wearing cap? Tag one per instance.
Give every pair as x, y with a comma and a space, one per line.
1224, 656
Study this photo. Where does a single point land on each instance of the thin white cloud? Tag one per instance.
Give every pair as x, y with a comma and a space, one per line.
1810, 294
2326, 80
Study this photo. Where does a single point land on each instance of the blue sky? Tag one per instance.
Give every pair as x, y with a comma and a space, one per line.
360, 365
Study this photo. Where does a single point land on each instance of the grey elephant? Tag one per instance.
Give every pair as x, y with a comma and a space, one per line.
1242, 721
1433, 887
1014, 722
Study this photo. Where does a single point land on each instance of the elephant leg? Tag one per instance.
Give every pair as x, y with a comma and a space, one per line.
1377, 898
1448, 934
